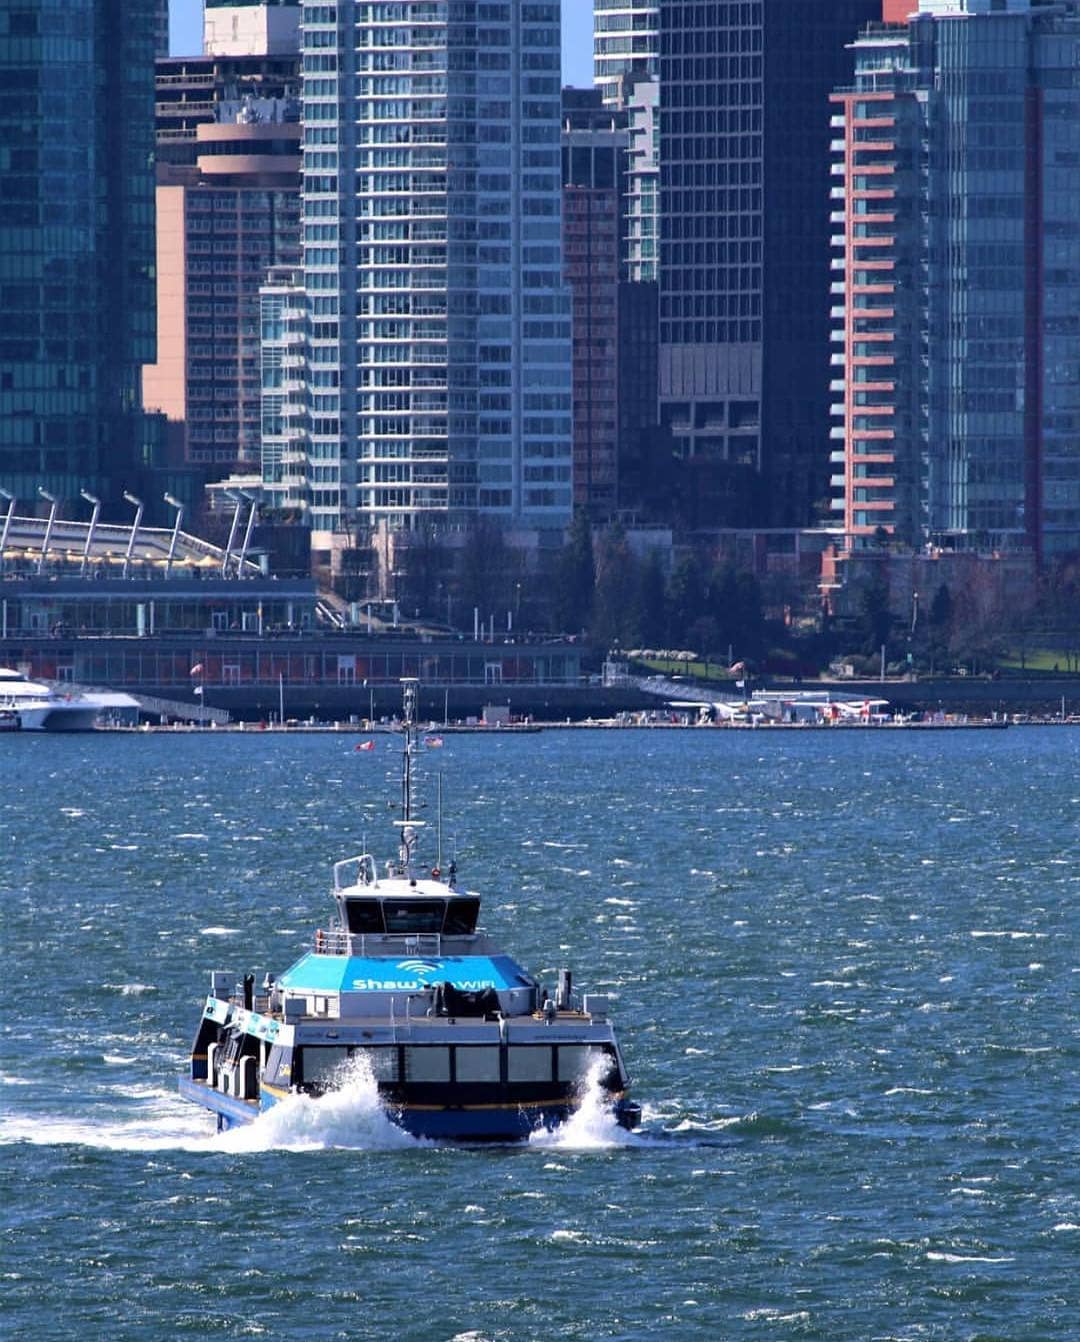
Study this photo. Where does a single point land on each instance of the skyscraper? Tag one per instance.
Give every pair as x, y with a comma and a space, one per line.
76, 242
744, 259
625, 45
228, 210
438, 350
959, 332
594, 162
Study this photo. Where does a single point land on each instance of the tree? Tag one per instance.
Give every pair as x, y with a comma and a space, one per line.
615, 607
875, 617
484, 569
575, 576
686, 597
651, 604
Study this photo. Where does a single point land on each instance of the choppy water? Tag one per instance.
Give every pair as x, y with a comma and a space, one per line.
845, 968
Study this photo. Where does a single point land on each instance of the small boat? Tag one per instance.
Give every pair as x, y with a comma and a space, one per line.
39, 708
462, 1042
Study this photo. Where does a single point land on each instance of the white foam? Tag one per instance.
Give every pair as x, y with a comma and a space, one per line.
351, 1116
592, 1126
219, 931
965, 1258
130, 989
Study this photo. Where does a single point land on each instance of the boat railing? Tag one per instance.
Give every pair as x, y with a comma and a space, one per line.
338, 942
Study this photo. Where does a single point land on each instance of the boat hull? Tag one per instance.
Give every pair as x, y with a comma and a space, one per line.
480, 1123
57, 718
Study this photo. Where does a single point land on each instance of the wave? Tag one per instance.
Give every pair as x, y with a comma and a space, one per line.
592, 1126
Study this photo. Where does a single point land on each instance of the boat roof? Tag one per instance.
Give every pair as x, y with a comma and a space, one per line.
407, 973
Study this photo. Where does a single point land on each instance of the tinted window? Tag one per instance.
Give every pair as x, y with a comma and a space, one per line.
414, 915
461, 915
364, 915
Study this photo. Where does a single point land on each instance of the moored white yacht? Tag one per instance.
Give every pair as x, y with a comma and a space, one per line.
39, 708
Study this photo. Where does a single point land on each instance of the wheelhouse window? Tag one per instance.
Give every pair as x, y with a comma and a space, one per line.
461, 916
320, 1065
364, 915
414, 915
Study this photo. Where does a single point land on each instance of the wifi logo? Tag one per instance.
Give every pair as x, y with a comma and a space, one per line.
418, 967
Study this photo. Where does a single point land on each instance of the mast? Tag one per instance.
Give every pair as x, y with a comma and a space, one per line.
408, 777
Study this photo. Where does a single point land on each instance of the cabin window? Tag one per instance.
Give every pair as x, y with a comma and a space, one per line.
461, 916
364, 915
528, 1063
414, 915
321, 1064
383, 1062
575, 1061
477, 1064
427, 1064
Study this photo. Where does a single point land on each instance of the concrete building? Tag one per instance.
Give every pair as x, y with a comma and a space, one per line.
228, 210
438, 349
626, 45
76, 245
594, 157
744, 261
958, 280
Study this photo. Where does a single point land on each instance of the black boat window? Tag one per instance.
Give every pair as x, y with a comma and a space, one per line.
427, 1063
476, 1063
323, 1065
414, 915
576, 1061
383, 1062
461, 916
364, 915
530, 1063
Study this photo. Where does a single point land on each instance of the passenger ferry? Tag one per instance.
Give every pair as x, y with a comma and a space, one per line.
462, 1042
29, 706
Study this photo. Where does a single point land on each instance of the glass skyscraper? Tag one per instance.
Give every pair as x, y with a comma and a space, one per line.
744, 261
960, 256
76, 242
438, 345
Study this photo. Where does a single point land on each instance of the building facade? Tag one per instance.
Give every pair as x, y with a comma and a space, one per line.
222, 224
76, 244
958, 264
626, 45
744, 260
438, 350
594, 158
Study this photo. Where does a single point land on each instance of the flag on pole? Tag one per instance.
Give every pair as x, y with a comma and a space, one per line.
196, 669
197, 690
365, 745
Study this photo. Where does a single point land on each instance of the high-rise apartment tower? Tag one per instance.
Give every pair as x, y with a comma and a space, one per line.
438, 343
958, 279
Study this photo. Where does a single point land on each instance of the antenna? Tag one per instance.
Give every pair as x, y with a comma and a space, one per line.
438, 860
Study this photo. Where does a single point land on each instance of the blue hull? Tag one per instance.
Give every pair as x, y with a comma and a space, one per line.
438, 1125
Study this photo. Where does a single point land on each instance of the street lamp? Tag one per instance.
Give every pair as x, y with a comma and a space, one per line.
53, 504
137, 504
90, 498
7, 523
173, 503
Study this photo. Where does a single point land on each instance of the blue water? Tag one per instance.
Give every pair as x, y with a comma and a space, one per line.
845, 969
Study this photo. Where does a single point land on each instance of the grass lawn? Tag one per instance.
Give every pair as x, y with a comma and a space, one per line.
1037, 659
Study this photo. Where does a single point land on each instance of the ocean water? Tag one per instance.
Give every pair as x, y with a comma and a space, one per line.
845, 969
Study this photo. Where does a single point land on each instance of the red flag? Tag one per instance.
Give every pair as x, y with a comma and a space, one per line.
365, 745
195, 669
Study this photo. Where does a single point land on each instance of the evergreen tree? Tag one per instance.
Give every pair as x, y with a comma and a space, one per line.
615, 604
651, 605
575, 576
686, 597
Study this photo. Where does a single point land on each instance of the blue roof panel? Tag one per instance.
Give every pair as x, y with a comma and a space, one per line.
356, 973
